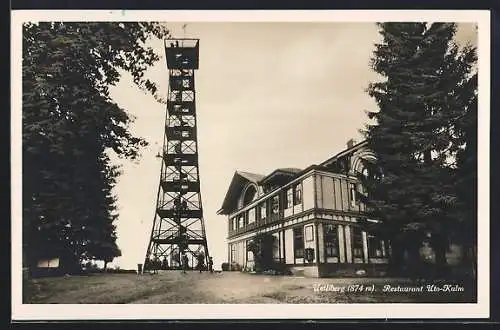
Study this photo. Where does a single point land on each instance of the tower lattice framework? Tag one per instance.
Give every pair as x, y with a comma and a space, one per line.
178, 225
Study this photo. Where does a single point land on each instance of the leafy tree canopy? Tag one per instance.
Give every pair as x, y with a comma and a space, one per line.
70, 123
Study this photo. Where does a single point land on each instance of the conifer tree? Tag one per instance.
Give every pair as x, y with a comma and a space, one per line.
412, 184
466, 174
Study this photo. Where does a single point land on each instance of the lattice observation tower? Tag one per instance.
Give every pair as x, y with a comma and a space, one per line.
178, 225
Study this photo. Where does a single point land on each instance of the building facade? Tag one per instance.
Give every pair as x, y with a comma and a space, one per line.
313, 215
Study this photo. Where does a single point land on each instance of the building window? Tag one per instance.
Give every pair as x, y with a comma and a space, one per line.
309, 233
251, 215
249, 253
297, 192
298, 242
233, 252
362, 189
233, 223
276, 248
375, 248
331, 240
357, 242
240, 221
275, 204
289, 198
263, 211
352, 193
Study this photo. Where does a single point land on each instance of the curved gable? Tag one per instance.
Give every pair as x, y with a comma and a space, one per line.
351, 160
249, 193
238, 186
358, 158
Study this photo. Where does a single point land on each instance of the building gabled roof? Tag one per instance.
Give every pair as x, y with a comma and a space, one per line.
286, 171
239, 180
255, 178
293, 170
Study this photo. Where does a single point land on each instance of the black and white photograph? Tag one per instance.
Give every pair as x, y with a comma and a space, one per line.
276, 165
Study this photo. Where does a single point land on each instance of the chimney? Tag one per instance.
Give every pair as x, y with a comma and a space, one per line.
350, 143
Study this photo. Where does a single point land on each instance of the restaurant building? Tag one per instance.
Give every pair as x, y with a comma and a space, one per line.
312, 213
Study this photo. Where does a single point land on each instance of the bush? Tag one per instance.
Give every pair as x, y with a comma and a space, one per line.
225, 266
235, 266
122, 271
250, 268
262, 248
281, 268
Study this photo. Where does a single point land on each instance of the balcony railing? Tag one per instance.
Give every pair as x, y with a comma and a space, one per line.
260, 223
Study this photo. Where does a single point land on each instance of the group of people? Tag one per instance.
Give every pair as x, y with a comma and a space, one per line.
200, 263
156, 264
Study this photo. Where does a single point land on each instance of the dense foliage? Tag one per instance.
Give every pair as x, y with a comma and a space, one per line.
424, 177
262, 248
70, 127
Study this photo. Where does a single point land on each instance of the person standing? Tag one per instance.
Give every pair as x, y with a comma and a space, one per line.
156, 263
201, 261
210, 264
185, 262
164, 264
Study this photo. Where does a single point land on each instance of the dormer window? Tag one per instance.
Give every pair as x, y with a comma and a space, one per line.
250, 195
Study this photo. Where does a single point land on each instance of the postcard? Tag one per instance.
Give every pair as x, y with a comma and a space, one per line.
250, 164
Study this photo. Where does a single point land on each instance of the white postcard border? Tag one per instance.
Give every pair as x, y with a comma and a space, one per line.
244, 311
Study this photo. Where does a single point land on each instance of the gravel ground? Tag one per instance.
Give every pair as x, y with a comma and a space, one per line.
174, 287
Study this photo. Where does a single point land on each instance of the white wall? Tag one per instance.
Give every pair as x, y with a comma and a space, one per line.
321, 243
338, 197
327, 196
276, 251
242, 253
348, 244
340, 232
289, 245
308, 193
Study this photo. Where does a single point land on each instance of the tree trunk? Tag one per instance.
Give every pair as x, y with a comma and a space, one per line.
105, 265
396, 259
470, 261
414, 262
69, 263
440, 246
428, 157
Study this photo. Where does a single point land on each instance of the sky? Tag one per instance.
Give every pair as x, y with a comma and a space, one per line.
269, 95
